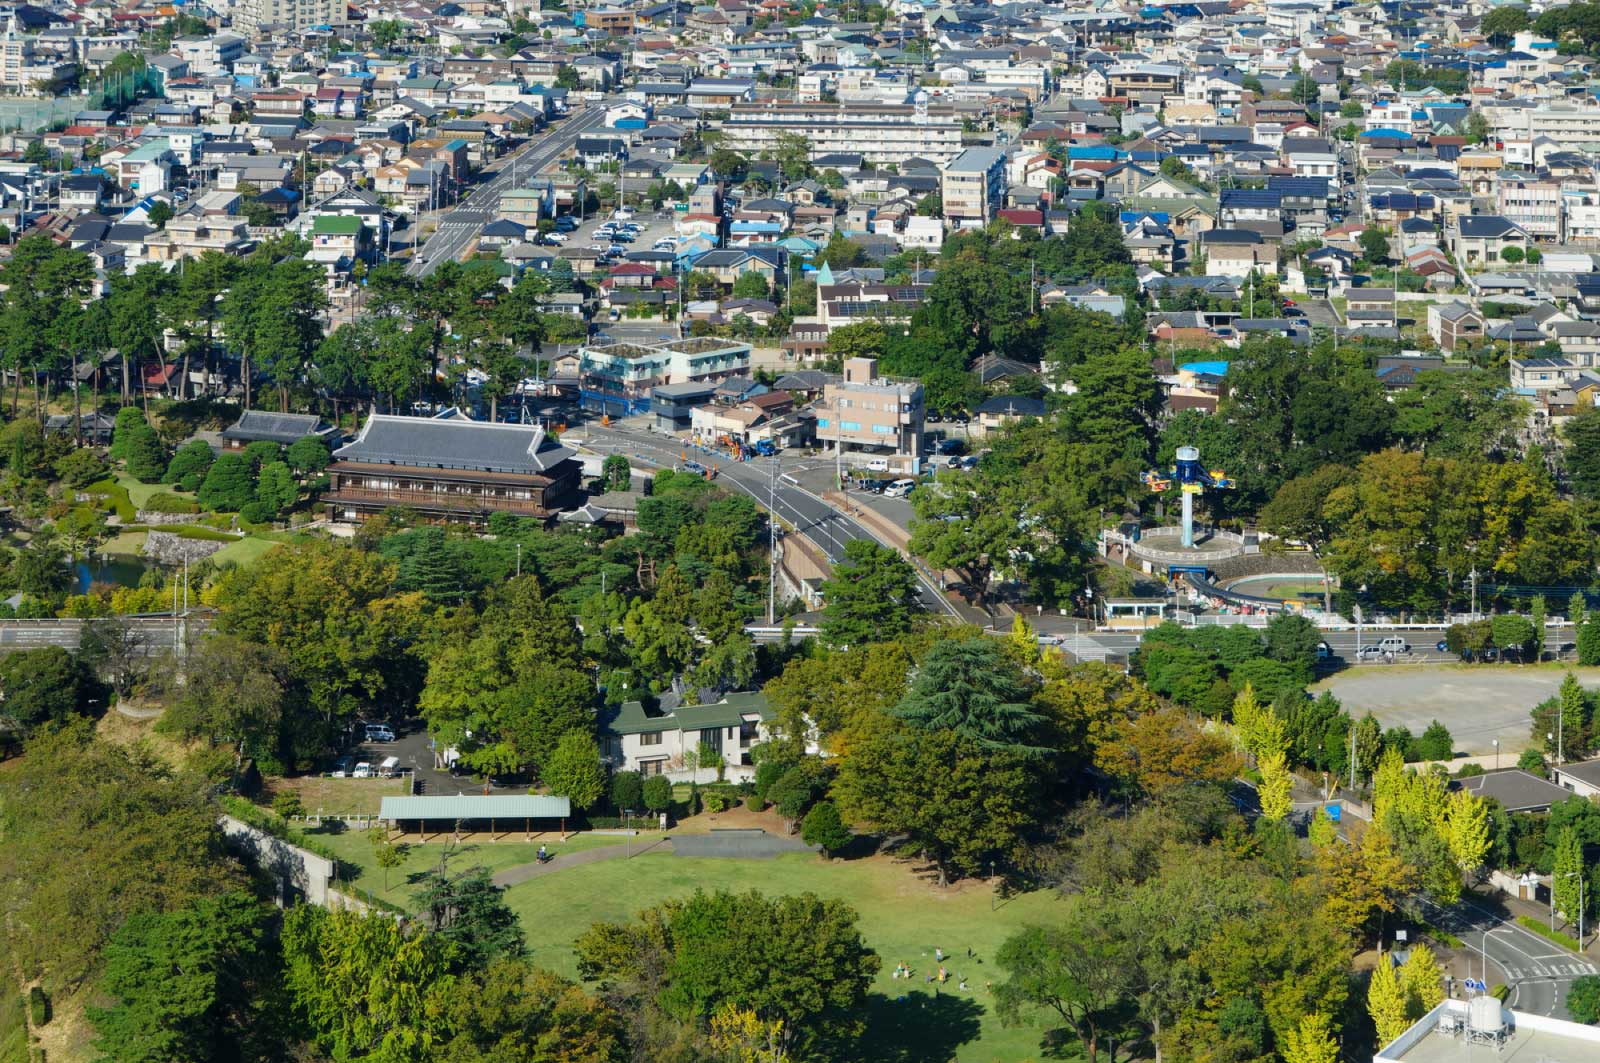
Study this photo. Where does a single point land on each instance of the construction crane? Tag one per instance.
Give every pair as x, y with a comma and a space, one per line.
1193, 479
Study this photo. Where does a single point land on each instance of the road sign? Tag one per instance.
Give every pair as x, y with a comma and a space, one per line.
1334, 810
1473, 983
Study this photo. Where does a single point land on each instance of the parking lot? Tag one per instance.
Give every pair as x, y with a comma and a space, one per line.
1478, 703
653, 227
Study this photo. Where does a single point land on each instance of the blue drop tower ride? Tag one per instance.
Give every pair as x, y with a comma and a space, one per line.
1192, 479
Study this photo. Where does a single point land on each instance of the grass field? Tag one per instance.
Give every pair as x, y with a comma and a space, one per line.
243, 551
341, 797
355, 850
903, 917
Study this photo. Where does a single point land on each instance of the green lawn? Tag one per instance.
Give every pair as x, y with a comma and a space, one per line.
139, 493
243, 551
354, 849
902, 917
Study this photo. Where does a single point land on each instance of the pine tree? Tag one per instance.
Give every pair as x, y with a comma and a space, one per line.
1421, 981
1467, 832
1577, 606
1567, 874
1276, 791
1589, 641
1386, 1003
1312, 1041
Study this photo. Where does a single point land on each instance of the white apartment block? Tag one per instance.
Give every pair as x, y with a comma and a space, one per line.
1570, 126
251, 16
889, 133
1535, 205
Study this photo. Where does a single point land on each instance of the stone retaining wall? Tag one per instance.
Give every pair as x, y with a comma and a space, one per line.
169, 548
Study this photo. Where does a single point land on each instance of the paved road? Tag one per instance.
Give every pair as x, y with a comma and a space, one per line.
1538, 972
819, 521
461, 226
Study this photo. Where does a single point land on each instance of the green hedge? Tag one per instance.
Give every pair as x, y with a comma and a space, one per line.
38, 1007
1564, 940
187, 531
117, 499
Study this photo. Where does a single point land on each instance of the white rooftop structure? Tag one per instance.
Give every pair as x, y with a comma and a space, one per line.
1482, 1030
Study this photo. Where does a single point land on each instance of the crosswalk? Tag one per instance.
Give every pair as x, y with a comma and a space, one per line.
1554, 969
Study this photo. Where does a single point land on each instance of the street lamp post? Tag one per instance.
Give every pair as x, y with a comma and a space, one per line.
1497, 754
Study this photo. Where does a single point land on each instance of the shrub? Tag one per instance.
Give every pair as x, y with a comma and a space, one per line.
229, 486
1435, 743
1583, 999
167, 502
823, 827
754, 803
191, 460
287, 803
1564, 940
1532, 762
657, 793
79, 468
257, 513
1466, 771
627, 791
38, 1007
714, 801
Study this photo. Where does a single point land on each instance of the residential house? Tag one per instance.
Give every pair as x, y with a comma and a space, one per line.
664, 736
1481, 239
1453, 324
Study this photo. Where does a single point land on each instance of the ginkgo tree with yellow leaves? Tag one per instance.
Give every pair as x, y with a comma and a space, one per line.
1444, 834
1262, 735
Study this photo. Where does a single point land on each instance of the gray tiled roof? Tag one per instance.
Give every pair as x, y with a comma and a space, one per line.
423, 443
274, 427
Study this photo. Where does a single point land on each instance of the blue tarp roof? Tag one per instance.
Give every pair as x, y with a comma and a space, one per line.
1396, 133
1206, 368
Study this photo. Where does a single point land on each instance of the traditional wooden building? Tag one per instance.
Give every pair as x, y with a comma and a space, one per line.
451, 470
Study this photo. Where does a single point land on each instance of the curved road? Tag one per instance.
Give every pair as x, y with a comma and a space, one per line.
819, 521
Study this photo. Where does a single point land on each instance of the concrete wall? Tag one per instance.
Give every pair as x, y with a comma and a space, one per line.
296, 870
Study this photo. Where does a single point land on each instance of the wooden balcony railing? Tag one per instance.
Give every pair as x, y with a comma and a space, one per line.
454, 501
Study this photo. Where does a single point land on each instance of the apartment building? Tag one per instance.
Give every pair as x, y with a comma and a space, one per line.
973, 187
617, 378
884, 133
251, 16
1520, 120
867, 417
1533, 204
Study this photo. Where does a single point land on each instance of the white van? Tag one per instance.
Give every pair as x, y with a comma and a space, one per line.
1394, 644
878, 465
363, 771
899, 489
389, 768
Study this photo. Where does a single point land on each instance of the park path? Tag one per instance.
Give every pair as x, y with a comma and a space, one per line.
512, 876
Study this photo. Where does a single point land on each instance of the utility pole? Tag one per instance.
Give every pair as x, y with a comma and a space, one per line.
772, 540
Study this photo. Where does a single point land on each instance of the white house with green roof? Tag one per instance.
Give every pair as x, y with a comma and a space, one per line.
662, 737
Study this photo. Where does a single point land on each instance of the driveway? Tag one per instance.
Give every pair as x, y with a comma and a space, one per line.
1478, 703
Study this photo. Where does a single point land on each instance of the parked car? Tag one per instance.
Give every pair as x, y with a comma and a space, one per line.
555, 238
377, 732
1394, 644
363, 771
622, 213
1369, 652
899, 489
342, 767
878, 465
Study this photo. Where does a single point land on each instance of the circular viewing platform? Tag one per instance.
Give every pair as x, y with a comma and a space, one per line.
1164, 546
